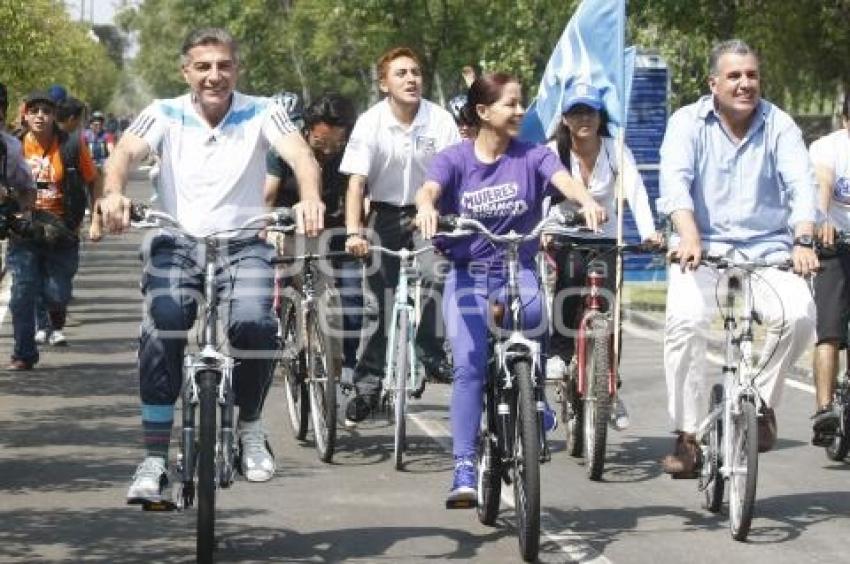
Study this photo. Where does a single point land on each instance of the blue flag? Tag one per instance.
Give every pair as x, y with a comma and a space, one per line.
591, 50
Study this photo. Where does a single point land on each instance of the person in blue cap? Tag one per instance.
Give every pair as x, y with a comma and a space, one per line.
587, 150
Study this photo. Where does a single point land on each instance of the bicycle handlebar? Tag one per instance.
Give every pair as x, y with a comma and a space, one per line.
464, 226
401, 253
142, 216
722, 262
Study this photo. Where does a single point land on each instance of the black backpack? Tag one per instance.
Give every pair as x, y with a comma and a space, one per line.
74, 188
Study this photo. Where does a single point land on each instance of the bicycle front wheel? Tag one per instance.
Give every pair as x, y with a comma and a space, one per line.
744, 470
325, 365
207, 394
840, 445
526, 458
597, 400
398, 400
711, 480
291, 366
489, 487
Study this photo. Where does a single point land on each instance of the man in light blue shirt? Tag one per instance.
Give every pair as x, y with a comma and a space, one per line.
735, 179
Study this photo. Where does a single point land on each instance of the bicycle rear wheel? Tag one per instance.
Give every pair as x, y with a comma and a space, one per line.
744, 470
326, 364
572, 414
291, 366
526, 458
597, 400
489, 462
207, 393
710, 479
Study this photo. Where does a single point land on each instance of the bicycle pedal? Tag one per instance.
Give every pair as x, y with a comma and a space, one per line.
161, 505
461, 504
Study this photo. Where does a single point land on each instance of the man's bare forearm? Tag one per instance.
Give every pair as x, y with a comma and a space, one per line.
354, 204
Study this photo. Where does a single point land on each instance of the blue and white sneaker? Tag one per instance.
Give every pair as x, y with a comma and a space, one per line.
463, 494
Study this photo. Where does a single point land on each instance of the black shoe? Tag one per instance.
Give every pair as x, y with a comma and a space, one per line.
360, 407
825, 424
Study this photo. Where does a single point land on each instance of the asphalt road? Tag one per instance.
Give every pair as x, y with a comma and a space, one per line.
70, 439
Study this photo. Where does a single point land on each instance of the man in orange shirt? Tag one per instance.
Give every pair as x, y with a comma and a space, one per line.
39, 268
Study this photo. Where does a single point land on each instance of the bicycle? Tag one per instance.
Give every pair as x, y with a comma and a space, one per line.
512, 442
402, 379
589, 389
728, 436
207, 461
309, 360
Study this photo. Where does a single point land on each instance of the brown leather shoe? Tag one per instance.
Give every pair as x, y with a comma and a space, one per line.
18, 365
767, 429
686, 460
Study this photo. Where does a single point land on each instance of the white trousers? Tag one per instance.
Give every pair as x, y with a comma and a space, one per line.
782, 299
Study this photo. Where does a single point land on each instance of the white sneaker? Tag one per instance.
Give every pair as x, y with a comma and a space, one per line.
41, 336
57, 339
150, 482
347, 376
257, 459
556, 368
620, 416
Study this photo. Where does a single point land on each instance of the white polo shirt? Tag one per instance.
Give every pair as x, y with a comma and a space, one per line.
393, 157
211, 179
833, 152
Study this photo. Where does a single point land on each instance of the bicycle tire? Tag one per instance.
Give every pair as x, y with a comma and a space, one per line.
742, 489
711, 480
326, 364
399, 400
206, 469
840, 446
291, 366
526, 458
572, 415
597, 400
489, 463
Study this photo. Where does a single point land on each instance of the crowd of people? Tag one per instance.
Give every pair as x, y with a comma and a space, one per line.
732, 181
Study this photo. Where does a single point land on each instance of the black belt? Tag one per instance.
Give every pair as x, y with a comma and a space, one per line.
393, 207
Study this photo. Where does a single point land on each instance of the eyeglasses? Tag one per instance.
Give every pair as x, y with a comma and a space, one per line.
34, 110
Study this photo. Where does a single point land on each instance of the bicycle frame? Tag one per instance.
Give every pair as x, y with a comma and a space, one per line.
407, 275
595, 284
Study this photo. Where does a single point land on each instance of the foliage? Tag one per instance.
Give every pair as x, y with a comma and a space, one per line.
40, 46
311, 46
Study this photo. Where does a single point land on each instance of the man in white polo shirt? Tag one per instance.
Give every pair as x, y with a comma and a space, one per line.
213, 143
389, 151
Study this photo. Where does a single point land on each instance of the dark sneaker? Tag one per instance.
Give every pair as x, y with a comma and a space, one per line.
825, 423
767, 429
359, 408
463, 494
686, 460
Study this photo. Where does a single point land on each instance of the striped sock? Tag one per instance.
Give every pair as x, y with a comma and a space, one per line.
156, 426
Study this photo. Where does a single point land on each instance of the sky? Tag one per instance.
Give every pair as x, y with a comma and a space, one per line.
103, 9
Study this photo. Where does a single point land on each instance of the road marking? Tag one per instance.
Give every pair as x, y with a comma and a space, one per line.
566, 539
714, 358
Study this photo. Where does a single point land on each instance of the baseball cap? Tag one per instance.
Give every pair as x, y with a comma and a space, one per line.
582, 93
39, 96
58, 93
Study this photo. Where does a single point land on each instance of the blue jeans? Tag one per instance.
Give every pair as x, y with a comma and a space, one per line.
38, 274
172, 284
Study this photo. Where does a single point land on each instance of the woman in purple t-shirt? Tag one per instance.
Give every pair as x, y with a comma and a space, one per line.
501, 182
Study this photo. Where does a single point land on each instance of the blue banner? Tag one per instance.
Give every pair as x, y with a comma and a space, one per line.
591, 50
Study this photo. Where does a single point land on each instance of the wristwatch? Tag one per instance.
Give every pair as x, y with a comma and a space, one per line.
804, 241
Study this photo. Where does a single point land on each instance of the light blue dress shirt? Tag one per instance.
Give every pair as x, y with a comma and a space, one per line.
745, 195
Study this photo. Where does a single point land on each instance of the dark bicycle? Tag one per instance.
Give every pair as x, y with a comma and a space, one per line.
310, 360
207, 457
512, 442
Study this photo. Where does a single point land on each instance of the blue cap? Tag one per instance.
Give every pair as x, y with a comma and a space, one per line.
58, 93
582, 93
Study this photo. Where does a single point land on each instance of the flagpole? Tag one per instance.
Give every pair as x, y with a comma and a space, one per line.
621, 150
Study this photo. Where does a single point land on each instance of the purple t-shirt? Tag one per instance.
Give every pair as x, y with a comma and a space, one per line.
505, 195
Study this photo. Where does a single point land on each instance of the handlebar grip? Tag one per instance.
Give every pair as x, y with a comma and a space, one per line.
447, 223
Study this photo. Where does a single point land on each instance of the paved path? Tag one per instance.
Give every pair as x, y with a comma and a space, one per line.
70, 439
